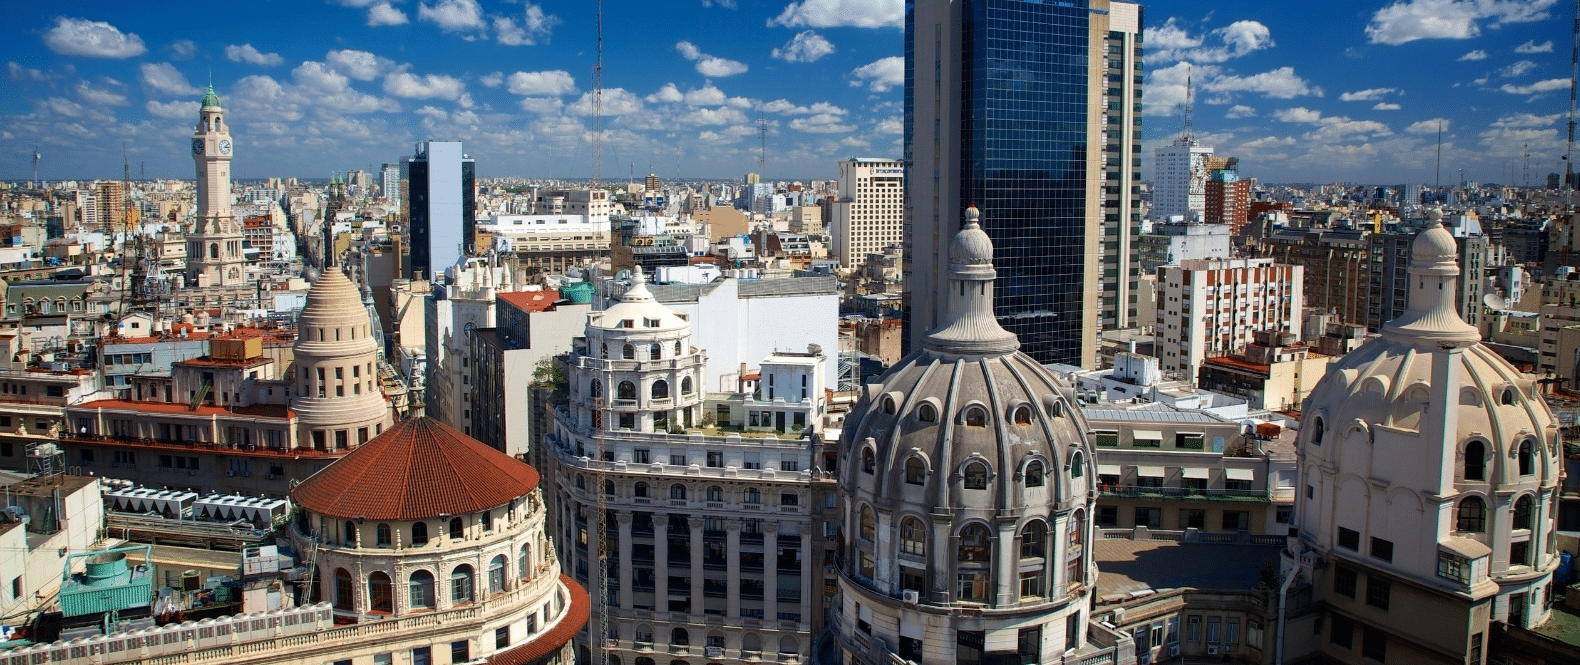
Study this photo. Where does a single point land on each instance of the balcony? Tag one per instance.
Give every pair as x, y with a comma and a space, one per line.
1205, 494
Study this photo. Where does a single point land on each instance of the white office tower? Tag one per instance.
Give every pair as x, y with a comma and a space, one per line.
967, 495
1179, 181
1430, 476
389, 186
869, 213
214, 246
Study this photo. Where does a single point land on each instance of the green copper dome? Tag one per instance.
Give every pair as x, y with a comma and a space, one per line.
210, 99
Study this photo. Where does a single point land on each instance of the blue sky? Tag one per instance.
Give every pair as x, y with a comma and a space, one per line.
1348, 91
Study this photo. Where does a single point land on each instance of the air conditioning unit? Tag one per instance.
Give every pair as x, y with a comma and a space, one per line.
911, 596
714, 652
1212, 649
229, 473
1174, 650
611, 644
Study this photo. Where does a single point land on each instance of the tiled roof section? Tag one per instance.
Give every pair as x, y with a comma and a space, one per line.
419, 469
554, 638
531, 301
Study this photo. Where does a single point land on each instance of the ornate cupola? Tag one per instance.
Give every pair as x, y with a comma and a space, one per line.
964, 474
1428, 470
339, 401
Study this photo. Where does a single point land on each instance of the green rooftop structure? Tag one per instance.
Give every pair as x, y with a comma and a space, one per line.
108, 582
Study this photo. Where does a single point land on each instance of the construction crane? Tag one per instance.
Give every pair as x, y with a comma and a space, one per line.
1574, 82
601, 644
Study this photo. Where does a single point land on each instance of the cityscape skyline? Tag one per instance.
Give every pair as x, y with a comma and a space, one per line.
1297, 100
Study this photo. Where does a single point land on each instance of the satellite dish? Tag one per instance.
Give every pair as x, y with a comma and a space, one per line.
1495, 301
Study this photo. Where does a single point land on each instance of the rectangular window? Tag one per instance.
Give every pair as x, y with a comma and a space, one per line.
1378, 592
1236, 520
677, 460
1342, 633
1520, 553
1152, 518
1231, 632
1108, 516
1349, 539
1107, 439
1189, 441
1344, 581
422, 656
1212, 630
1029, 645
1030, 584
1454, 567
715, 459
1374, 644
1382, 549
1193, 628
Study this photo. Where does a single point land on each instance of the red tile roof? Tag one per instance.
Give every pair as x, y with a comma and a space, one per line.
555, 638
177, 408
531, 301
417, 470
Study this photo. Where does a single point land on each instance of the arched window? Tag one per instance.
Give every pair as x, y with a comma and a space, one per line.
1034, 474
644, 660
627, 390
927, 413
382, 534
660, 389
421, 587
1077, 465
597, 389
380, 595
419, 533
608, 488
888, 405
976, 476
1077, 529
1472, 515
488, 520
1475, 461
628, 352
677, 491
679, 637
344, 599
213, 250
604, 351
640, 490
751, 643
1527, 460
753, 495
1522, 513
1317, 432
461, 584
913, 537
457, 528
915, 471
685, 385
1034, 540
654, 351
869, 461
1508, 396
789, 644
1022, 415
869, 524
350, 533
715, 493
678, 350
496, 575
974, 544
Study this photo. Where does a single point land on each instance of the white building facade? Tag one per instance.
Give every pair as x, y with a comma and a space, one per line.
1210, 308
869, 213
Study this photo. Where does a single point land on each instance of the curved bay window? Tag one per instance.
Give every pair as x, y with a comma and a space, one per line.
972, 571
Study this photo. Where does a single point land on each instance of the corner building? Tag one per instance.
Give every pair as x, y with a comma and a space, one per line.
967, 497
1429, 473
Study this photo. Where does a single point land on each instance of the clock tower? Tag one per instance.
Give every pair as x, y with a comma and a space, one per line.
214, 245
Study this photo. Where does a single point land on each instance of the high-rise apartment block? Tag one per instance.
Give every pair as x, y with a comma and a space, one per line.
1215, 307
389, 186
442, 202
1228, 199
1179, 180
868, 213
1018, 108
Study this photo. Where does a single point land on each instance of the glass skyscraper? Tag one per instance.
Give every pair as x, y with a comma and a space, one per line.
441, 201
1007, 106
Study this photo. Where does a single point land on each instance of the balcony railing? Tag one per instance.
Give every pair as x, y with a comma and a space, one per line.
1187, 493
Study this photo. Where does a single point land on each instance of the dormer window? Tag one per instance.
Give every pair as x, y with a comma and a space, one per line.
650, 323
976, 476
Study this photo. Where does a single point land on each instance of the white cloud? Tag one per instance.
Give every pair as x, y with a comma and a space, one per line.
453, 15
880, 75
1473, 56
1239, 111
1548, 85
172, 110
1386, 106
542, 105
710, 65
668, 94
1526, 120
1409, 20
535, 27
1367, 95
63, 106
556, 82
100, 96
1171, 42
727, 4
248, 54
386, 14
1517, 69
431, 86
493, 80
616, 101
181, 49
1298, 114
822, 123
319, 77
20, 73
1532, 47
836, 13
806, 46
718, 116
890, 126
360, 65
1428, 127
705, 96
164, 77
1281, 83
92, 39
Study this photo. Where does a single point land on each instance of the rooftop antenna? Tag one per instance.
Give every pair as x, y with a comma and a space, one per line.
762, 137
36, 155
1438, 183
1188, 137
1574, 82
602, 518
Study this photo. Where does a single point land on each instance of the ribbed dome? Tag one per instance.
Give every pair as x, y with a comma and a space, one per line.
638, 309
333, 301
210, 100
971, 245
419, 469
1434, 248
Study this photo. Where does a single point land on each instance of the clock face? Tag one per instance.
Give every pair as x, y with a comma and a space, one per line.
197, 146
224, 147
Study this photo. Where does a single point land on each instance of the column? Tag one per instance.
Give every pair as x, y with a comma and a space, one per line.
697, 572
770, 573
627, 576
808, 564
732, 545
661, 570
